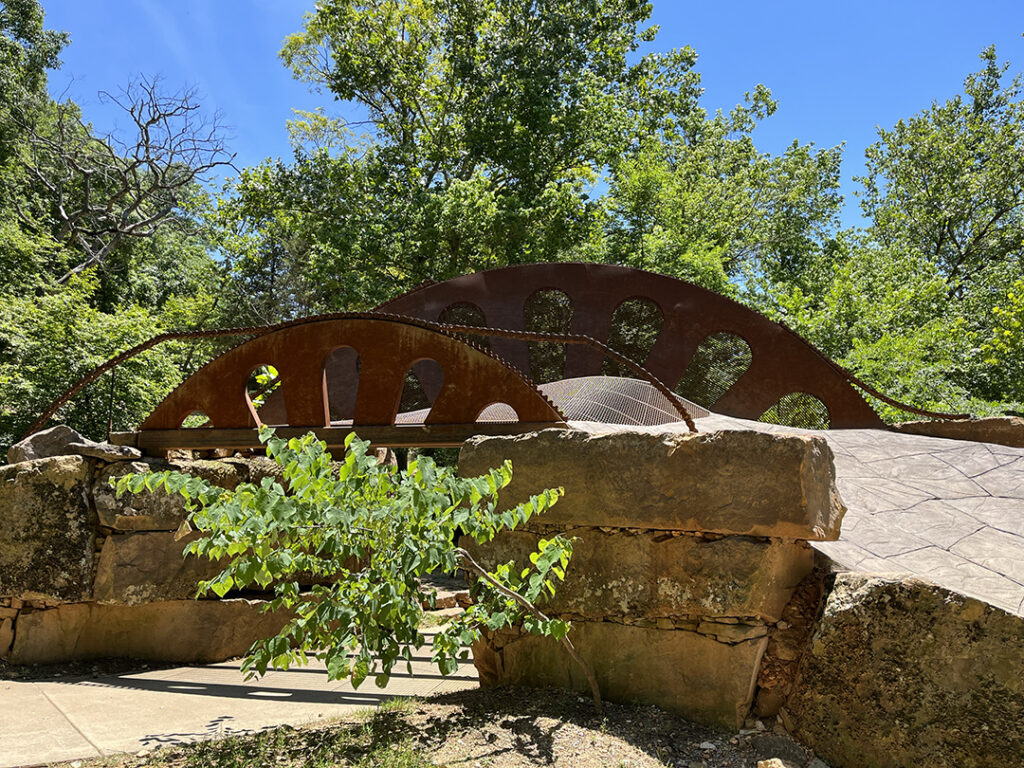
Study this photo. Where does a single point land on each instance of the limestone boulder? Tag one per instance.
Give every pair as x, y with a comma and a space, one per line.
655, 575
45, 444
46, 529
148, 567
107, 452
184, 631
62, 440
256, 468
905, 673
136, 512
749, 483
1001, 430
158, 511
680, 671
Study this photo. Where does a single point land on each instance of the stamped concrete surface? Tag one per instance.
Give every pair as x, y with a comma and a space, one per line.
948, 511
58, 719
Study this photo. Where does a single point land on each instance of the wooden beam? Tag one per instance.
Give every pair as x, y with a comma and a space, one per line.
404, 436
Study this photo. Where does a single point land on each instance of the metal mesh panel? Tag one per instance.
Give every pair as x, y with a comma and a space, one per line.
635, 326
716, 365
466, 313
547, 311
502, 412
495, 412
798, 409
614, 400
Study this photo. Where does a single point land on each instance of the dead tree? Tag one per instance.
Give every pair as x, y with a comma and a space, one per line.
104, 190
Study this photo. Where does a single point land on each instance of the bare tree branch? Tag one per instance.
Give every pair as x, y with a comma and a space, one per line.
104, 190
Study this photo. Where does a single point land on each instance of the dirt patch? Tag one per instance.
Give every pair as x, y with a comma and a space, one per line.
498, 728
505, 728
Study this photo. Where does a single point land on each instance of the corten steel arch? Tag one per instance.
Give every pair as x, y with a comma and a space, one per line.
782, 363
387, 347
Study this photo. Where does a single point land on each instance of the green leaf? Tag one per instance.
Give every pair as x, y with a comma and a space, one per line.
378, 528
222, 584
360, 669
497, 620
337, 666
559, 628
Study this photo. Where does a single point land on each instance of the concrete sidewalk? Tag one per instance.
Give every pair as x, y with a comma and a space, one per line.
46, 721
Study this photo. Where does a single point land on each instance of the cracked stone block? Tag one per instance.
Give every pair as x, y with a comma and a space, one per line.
145, 567
749, 483
680, 671
46, 529
159, 511
901, 672
652, 575
183, 631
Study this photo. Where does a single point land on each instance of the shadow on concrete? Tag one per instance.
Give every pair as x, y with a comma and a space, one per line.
249, 692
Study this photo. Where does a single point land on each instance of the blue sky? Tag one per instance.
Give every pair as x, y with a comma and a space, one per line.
837, 69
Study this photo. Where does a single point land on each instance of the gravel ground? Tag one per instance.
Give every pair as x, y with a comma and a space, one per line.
500, 728
507, 728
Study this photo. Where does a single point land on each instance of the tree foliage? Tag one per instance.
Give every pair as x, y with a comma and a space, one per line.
496, 132
947, 182
698, 201
47, 342
27, 50
470, 161
370, 533
919, 303
104, 239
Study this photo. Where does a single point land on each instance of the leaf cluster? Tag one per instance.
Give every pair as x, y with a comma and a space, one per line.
364, 534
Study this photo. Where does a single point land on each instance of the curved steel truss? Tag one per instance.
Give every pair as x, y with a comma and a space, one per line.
708, 348
311, 379
501, 352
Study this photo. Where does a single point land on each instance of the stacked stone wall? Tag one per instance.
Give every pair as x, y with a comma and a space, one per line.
84, 574
689, 551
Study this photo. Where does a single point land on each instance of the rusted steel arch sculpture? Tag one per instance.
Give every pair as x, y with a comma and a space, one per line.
781, 362
387, 347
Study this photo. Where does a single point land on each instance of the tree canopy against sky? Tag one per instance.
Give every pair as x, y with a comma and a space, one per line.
494, 132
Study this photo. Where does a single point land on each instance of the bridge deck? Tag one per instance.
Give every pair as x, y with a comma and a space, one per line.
948, 511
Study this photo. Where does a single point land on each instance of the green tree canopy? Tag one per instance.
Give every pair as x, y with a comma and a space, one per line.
920, 302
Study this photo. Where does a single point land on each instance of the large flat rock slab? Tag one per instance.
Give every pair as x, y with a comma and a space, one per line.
186, 631
157, 511
1002, 430
653, 575
147, 567
747, 483
947, 511
634, 663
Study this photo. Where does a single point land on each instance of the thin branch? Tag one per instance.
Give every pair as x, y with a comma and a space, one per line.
105, 189
470, 564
